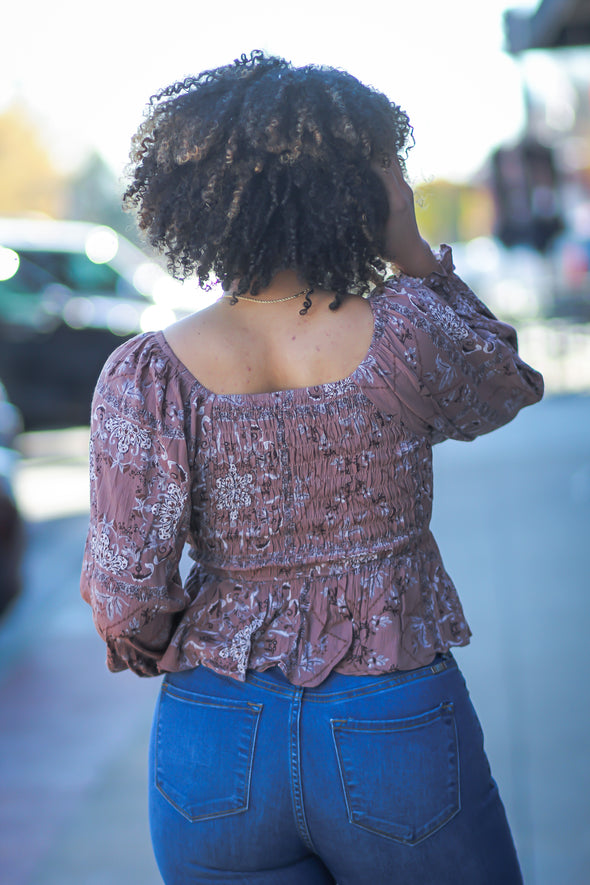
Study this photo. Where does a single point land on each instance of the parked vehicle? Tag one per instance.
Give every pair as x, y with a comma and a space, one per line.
70, 292
11, 524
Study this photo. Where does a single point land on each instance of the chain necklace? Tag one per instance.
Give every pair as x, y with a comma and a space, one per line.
305, 292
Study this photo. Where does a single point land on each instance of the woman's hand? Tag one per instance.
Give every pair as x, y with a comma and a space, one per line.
403, 243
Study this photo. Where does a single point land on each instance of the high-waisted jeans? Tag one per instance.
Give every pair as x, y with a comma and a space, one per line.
360, 781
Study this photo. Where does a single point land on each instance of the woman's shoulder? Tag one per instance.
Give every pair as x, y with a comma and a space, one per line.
145, 356
142, 377
131, 352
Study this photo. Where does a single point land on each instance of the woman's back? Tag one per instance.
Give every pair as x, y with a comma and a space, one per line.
289, 442
307, 509
256, 347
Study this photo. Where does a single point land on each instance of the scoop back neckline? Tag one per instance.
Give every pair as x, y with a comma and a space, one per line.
273, 394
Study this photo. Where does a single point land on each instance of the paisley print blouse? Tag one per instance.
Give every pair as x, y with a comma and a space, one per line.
306, 511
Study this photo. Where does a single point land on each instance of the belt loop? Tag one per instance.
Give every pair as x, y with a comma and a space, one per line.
439, 666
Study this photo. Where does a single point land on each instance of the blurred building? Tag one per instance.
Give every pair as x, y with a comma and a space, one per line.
554, 24
542, 184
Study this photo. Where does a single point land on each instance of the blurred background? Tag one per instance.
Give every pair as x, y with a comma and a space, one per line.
499, 96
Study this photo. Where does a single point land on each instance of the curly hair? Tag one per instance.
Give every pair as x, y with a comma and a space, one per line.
258, 166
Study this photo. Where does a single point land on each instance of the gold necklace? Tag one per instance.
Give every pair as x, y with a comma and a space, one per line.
305, 292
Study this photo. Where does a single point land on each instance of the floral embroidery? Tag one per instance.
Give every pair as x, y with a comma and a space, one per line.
111, 604
410, 357
377, 661
91, 461
105, 557
444, 315
336, 388
234, 491
445, 373
239, 649
169, 511
127, 435
323, 519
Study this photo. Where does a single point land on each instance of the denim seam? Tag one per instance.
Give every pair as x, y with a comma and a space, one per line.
266, 685
377, 726
440, 823
393, 680
256, 710
190, 697
375, 688
295, 769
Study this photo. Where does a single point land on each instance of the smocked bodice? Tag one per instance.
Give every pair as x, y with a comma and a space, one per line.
306, 511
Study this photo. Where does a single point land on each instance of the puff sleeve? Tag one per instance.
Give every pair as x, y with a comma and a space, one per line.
444, 363
140, 505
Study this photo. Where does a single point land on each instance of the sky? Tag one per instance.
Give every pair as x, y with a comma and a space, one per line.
85, 72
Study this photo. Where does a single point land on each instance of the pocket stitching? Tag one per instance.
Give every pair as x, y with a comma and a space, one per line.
190, 697
448, 812
254, 710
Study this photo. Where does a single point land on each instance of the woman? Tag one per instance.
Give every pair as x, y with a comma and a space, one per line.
312, 725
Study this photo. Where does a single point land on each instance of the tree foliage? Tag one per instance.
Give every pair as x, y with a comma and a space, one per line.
448, 212
29, 182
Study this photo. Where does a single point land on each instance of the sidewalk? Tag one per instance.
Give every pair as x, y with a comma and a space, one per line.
511, 517
73, 741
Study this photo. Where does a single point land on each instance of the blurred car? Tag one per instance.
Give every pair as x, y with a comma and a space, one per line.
11, 524
70, 293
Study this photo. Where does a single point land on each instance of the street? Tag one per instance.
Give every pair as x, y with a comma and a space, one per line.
512, 517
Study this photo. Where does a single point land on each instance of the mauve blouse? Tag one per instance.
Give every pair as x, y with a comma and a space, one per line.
306, 511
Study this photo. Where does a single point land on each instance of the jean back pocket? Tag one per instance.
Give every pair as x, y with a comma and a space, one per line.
400, 777
204, 752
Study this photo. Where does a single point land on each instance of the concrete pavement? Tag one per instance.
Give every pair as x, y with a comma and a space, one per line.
73, 740
513, 521
512, 518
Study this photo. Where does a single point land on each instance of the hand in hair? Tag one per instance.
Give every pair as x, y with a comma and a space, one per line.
403, 242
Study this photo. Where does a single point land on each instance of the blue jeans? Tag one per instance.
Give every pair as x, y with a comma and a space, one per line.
360, 781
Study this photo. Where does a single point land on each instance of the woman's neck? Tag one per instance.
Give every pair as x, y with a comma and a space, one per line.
284, 284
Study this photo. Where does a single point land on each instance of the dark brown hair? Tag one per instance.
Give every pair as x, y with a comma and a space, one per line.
259, 166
